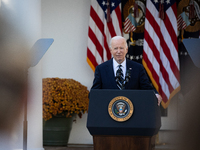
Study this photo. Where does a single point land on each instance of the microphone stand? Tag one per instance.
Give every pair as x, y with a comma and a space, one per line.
127, 78
125, 81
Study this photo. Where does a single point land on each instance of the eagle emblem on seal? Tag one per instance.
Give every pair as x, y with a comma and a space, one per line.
120, 108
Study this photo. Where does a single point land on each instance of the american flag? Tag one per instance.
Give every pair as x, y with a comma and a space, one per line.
104, 23
160, 54
130, 24
183, 21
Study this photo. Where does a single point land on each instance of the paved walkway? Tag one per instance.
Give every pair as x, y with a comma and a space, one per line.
90, 147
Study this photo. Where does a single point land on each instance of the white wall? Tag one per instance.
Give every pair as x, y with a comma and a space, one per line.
66, 21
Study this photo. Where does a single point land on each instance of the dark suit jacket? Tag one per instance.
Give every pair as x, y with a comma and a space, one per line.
105, 78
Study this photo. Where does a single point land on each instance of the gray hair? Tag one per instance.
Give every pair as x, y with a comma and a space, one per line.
116, 38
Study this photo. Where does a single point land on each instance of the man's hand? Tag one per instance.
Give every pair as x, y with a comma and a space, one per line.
159, 99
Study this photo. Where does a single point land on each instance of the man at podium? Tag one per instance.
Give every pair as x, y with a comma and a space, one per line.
121, 73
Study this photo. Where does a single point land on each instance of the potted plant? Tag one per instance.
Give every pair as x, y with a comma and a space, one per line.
63, 99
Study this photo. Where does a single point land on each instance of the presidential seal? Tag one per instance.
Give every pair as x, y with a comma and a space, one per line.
120, 108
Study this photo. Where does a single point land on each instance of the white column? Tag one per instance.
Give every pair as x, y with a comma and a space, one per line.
34, 117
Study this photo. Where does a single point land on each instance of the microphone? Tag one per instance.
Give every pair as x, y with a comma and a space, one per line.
127, 77
118, 75
117, 79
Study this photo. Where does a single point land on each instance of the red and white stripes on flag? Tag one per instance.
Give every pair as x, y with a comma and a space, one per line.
104, 23
182, 21
160, 54
128, 26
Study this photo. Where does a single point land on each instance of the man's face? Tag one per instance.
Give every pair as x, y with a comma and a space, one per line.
119, 50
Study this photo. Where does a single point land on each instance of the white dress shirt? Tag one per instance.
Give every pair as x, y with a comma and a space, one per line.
116, 67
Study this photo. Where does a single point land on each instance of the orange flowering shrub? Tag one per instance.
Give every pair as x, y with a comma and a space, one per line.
65, 96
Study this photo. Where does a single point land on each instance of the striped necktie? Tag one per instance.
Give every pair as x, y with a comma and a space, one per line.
121, 79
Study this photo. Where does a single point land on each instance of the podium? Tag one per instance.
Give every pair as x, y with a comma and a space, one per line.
136, 133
